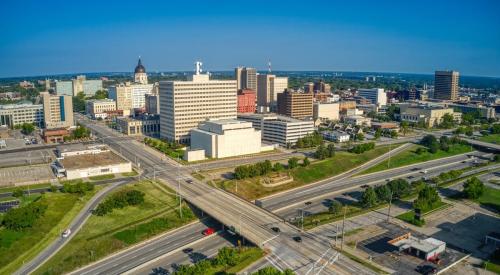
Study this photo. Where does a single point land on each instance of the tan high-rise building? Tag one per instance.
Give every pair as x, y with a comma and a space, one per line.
246, 78
446, 85
295, 104
57, 110
184, 104
268, 88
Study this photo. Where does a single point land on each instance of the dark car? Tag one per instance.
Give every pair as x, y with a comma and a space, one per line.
426, 269
297, 239
276, 229
308, 203
189, 181
365, 186
187, 250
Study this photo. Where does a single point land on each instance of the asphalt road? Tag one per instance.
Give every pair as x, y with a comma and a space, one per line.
147, 251
327, 187
251, 221
75, 226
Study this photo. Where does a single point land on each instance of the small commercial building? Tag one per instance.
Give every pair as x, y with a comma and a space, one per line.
97, 108
148, 125
278, 129
336, 136
55, 135
358, 120
226, 138
429, 115
427, 249
82, 162
68, 150
387, 126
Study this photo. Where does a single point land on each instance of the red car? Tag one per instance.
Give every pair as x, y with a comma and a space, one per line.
208, 231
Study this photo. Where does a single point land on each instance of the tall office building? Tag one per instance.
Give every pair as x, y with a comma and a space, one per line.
80, 84
446, 85
17, 114
375, 96
246, 78
268, 88
140, 75
153, 104
184, 104
57, 111
295, 104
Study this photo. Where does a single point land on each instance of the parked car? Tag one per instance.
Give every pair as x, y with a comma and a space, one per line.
66, 233
297, 239
189, 181
208, 231
365, 186
426, 269
276, 229
308, 203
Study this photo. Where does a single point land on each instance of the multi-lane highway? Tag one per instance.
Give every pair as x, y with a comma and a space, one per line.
249, 220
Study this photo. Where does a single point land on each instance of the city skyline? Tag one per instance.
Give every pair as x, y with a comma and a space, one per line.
421, 37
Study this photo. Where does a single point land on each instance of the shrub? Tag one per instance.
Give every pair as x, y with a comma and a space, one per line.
23, 217
473, 188
293, 163
361, 148
79, 188
119, 199
18, 192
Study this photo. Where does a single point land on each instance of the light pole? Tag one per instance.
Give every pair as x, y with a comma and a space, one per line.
343, 229
389, 210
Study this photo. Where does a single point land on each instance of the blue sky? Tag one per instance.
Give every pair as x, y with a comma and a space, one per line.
49, 37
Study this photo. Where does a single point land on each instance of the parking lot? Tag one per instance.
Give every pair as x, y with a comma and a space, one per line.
26, 158
26, 174
387, 255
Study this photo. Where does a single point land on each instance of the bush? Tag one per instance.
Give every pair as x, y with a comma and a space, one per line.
361, 148
323, 152
293, 163
306, 162
428, 198
309, 140
399, 188
18, 193
369, 198
119, 199
253, 170
473, 188
23, 217
79, 188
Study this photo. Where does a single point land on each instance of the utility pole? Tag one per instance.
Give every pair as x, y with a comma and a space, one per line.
179, 189
389, 210
336, 234
343, 229
389, 161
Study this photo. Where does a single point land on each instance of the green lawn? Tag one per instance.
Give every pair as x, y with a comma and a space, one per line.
103, 177
493, 138
24, 187
409, 156
101, 236
130, 174
251, 189
18, 247
490, 198
248, 255
409, 216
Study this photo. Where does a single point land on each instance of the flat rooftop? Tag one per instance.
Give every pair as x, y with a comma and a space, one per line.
426, 245
95, 160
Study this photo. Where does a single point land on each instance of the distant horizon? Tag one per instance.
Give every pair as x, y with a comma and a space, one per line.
231, 70
415, 37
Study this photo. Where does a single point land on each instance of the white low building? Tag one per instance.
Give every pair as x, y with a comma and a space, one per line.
358, 120
226, 138
326, 111
336, 136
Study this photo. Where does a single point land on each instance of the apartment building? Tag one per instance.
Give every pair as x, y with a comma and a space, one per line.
268, 88
246, 78
375, 96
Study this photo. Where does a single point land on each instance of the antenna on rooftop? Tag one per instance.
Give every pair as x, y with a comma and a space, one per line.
269, 66
198, 69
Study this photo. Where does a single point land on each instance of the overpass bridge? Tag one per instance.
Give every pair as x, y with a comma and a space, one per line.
313, 255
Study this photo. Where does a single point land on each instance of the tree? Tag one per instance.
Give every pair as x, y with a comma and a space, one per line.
293, 163
79, 102
331, 150
101, 94
360, 137
269, 270
369, 198
428, 198
335, 207
24, 216
27, 128
306, 162
394, 134
473, 188
495, 129
321, 152
383, 193
404, 127
378, 133
277, 167
447, 121
227, 256
399, 188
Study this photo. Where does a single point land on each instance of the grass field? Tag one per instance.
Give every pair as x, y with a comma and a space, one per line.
102, 177
409, 156
248, 255
130, 174
409, 216
251, 189
490, 198
24, 187
18, 247
101, 236
493, 138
